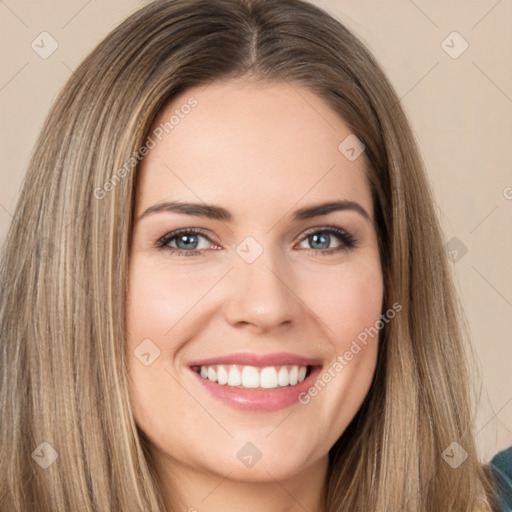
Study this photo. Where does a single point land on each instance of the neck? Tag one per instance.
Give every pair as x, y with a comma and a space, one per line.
193, 490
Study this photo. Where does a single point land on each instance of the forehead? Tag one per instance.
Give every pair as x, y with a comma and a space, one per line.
247, 143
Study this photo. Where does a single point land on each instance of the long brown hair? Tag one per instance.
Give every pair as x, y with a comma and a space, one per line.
64, 267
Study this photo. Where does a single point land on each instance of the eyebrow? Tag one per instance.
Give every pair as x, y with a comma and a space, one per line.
218, 213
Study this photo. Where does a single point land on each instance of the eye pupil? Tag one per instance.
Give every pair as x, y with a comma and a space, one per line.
322, 239
189, 241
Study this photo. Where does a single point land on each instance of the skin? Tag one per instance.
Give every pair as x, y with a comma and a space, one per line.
260, 151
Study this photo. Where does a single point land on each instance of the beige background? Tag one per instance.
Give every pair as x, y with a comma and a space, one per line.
460, 109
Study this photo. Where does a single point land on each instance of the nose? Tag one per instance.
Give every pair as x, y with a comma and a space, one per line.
261, 296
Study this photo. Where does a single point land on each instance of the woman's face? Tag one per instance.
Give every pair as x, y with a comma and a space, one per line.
267, 286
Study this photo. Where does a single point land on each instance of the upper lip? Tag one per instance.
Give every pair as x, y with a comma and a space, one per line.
248, 359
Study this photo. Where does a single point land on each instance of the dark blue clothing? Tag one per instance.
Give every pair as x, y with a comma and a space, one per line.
501, 466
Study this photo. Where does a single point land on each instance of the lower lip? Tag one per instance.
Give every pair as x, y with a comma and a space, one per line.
259, 400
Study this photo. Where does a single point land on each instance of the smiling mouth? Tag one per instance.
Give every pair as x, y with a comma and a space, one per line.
254, 377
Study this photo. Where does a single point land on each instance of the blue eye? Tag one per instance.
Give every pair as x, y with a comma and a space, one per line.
321, 239
184, 242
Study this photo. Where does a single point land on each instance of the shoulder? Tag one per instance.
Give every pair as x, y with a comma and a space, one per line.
501, 467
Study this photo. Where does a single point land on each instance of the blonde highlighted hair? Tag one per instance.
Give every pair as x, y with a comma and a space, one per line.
63, 357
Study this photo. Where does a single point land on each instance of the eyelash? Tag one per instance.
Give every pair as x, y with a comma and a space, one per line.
348, 241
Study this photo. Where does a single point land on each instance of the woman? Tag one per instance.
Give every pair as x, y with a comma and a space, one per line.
173, 338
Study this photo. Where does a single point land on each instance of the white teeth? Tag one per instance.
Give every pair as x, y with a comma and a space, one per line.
294, 375
268, 377
234, 378
222, 375
212, 374
252, 377
282, 376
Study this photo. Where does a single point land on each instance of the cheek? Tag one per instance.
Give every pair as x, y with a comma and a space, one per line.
359, 305
164, 311
347, 301
159, 301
